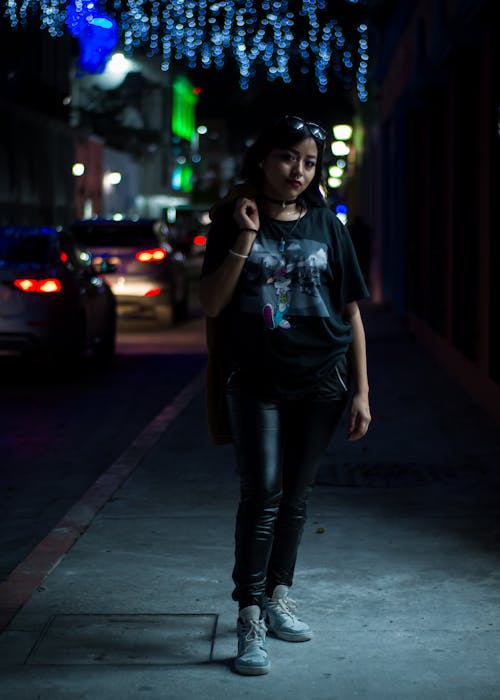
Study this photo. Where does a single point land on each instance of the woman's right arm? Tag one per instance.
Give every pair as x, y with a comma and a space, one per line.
217, 288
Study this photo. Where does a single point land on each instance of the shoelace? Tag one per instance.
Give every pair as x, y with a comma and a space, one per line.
286, 606
254, 631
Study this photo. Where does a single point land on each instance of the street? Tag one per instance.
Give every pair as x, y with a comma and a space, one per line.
59, 433
398, 569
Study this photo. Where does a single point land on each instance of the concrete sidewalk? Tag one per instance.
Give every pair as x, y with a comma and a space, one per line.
398, 572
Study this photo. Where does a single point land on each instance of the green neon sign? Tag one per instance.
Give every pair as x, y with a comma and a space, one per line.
184, 101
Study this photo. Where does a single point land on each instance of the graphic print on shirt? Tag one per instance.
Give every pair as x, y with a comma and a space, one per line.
279, 285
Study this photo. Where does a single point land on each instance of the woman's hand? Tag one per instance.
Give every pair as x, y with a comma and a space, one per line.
217, 288
246, 213
359, 418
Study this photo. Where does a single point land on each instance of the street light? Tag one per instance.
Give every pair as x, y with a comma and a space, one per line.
112, 178
119, 64
334, 182
342, 132
335, 171
340, 148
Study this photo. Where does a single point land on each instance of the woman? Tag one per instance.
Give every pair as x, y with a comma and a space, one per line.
281, 278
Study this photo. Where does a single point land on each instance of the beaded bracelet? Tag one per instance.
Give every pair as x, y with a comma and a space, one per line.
237, 255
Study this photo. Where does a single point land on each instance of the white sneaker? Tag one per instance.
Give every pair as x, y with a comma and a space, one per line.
252, 659
281, 618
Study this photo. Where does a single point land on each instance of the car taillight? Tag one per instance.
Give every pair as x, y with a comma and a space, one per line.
46, 286
153, 292
153, 255
200, 239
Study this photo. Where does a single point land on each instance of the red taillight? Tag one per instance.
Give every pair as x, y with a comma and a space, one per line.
64, 257
153, 255
47, 286
26, 285
200, 240
153, 292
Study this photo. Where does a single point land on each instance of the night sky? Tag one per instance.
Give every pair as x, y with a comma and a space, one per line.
246, 111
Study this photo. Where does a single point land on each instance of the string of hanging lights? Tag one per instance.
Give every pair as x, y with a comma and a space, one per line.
283, 36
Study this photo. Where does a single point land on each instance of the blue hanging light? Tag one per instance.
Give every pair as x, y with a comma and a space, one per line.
97, 34
279, 35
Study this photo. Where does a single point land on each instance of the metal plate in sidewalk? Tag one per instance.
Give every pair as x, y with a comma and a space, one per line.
125, 639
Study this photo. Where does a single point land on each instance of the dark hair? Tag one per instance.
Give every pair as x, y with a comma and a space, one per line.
280, 135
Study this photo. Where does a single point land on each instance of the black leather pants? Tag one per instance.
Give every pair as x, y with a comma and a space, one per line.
278, 444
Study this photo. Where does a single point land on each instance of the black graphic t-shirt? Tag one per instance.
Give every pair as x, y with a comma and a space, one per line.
285, 327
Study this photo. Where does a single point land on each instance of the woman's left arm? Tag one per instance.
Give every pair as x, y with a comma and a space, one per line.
359, 418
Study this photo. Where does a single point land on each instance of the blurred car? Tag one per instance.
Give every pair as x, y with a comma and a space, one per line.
52, 303
189, 231
137, 260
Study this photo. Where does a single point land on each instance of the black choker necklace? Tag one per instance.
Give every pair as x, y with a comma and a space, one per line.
284, 202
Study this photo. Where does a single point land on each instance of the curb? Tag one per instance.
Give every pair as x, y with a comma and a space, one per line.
22, 582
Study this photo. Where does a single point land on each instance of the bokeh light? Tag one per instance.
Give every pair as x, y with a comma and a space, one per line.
284, 38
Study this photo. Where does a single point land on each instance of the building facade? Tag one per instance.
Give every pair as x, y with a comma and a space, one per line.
430, 166
37, 146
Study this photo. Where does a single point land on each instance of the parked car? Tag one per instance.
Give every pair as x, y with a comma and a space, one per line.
52, 302
189, 231
136, 258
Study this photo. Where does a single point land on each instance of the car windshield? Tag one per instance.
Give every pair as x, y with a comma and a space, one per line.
119, 236
23, 244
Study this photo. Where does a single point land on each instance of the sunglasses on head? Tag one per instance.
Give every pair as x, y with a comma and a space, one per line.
299, 124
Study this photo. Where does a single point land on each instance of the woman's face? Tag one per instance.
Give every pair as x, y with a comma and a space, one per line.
289, 171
